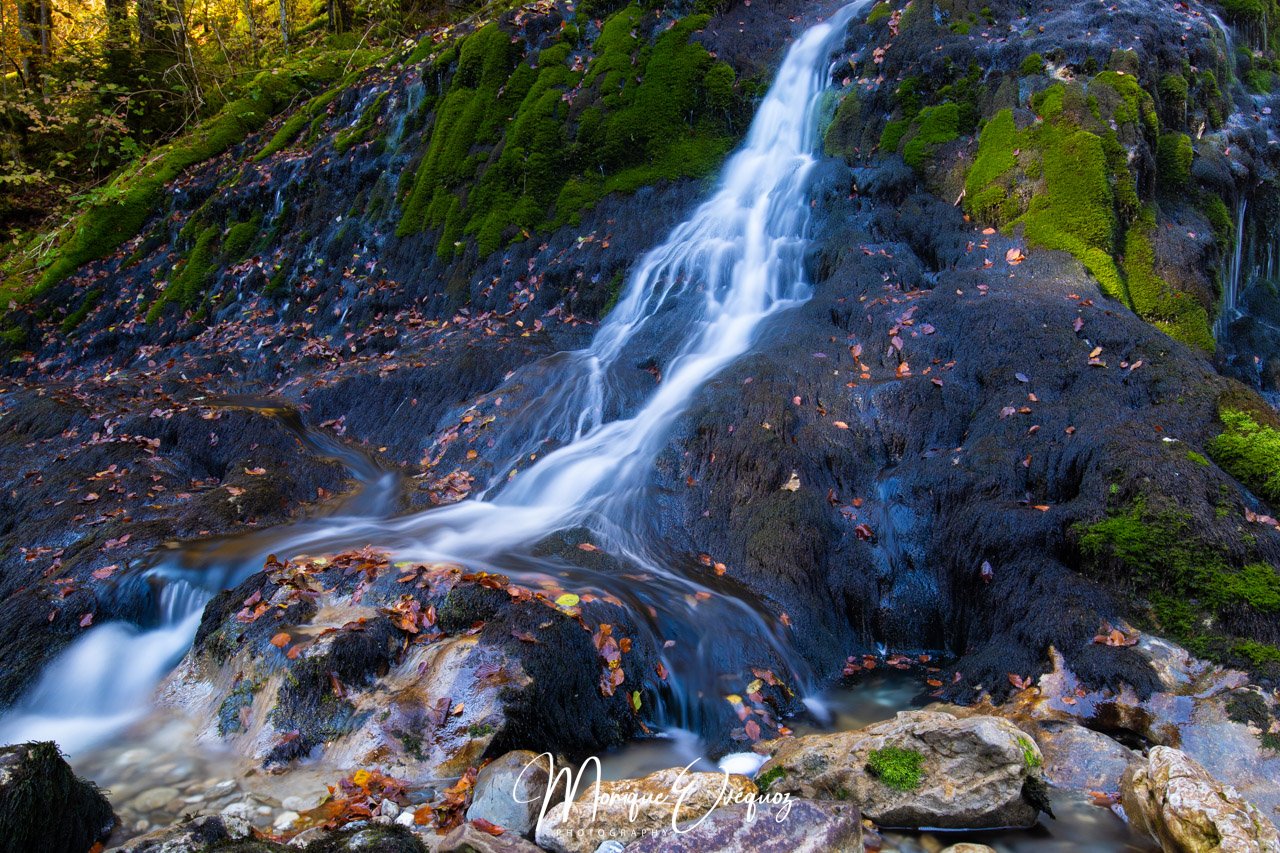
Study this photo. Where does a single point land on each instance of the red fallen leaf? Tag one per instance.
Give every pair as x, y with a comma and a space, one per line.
484, 826
936, 381
1077, 324
105, 572
525, 637
863, 532
786, 620
720, 568
294, 651
752, 729
235, 491
904, 370
86, 620
1019, 681
1007, 411
1104, 799
255, 472
281, 640
840, 425
89, 498
661, 670
987, 571
1041, 507
587, 546
1014, 256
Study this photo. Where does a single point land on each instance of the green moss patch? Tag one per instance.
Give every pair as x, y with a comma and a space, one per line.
1194, 591
510, 154
900, 769
1248, 451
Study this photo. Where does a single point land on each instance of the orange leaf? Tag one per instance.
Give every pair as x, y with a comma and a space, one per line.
280, 640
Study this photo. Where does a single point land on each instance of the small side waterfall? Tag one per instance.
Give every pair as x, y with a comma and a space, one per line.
1231, 280
737, 261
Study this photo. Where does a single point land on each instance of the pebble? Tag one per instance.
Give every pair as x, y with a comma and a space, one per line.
389, 809
284, 820
156, 798
405, 818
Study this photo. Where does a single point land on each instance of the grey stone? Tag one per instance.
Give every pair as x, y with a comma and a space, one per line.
796, 826
509, 791
468, 839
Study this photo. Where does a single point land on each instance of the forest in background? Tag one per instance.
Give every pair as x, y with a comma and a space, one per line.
88, 86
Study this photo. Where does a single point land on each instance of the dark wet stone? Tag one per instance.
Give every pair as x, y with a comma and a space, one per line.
44, 806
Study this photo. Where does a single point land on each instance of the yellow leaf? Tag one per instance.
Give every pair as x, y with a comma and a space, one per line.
567, 600
361, 778
734, 699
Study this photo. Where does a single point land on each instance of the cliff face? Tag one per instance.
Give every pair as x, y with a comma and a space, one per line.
998, 410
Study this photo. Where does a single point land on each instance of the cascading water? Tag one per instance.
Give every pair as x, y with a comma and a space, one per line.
738, 260
1231, 280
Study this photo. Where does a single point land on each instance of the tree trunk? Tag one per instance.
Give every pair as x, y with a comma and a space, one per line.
339, 15
284, 22
35, 29
146, 11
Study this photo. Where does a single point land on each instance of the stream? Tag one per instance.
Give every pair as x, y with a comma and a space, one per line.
717, 278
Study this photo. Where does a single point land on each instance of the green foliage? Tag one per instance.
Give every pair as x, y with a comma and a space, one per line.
1173, 94
1197, 458
898, 768
1260, 654
506, 159
879, 12
1173, 160
1031, 66
1248, 451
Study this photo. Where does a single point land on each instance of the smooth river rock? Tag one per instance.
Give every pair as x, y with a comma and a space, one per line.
626, 809
510, 789
1175, 801
466, 838
796, 826
974, 771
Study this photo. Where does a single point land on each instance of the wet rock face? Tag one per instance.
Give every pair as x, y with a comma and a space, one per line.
919, 769
186, 836
45, 806
799, 826
627, 809
1177, 803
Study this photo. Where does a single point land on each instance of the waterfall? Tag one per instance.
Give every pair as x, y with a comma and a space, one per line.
718, 276
1227, 310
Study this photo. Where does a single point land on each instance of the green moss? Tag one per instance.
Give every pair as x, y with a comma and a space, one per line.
1133, 105
1197, 458
357, 132
1248, 451
879, 12
1031, 66
1173, 160
189, 285
235, 247
933, 126
983, 194
1179, 315
898, 768
891, 135
505, 158
1030, 755
1190, 585
768, 777
479, 730
1173, 95
76, 317
1259, 653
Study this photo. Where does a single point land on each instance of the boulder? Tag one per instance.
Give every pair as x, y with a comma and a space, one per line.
510, 789
44, 806
1080, 758
1177, 803
467, 838
921, 768
793, 826
626, 809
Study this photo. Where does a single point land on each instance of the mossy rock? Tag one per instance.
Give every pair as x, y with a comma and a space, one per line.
44, 806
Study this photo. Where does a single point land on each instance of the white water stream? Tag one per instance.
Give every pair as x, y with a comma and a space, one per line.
740, 256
